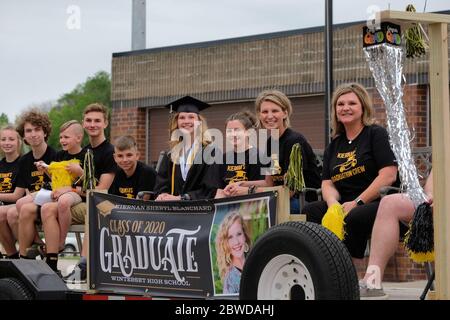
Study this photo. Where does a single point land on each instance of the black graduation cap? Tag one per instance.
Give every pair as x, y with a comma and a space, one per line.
187, 104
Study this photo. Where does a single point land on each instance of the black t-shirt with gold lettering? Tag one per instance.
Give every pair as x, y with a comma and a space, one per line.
143, 179
29, 176
311, 172
236, 167
8, 175
353, 165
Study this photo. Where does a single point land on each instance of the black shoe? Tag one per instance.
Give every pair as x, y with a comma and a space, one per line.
77, 276
34, 252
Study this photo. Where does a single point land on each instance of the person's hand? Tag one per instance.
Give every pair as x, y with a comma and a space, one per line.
41, 166
75, 169
234, 189
220, 194
348, 206
167, 197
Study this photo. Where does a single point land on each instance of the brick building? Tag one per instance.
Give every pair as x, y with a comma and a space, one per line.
230, 73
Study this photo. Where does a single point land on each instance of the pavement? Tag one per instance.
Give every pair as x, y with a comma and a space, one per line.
395, 290
404, 290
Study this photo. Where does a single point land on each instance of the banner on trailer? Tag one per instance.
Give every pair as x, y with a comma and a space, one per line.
177, 249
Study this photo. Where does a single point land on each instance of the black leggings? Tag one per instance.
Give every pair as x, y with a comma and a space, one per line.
358, 223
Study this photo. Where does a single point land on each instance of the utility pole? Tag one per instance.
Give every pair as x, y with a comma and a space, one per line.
328, 65
138, 25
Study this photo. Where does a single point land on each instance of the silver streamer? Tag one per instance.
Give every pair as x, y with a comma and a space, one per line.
386, 64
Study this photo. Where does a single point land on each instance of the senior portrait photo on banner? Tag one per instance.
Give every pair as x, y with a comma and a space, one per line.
236, 227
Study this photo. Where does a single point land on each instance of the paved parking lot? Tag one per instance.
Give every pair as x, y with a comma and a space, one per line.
404, 290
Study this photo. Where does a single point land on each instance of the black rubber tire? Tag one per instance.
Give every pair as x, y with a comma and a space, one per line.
327, 259
14, 289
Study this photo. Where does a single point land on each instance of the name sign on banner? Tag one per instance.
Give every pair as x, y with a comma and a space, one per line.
173, 249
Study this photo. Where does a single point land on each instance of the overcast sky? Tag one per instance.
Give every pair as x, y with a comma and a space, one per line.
47, 47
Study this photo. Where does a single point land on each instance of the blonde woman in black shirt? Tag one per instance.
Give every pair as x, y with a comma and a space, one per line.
356, 164
10, 145
274, 109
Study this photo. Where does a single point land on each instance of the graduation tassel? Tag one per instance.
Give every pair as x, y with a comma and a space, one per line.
419, 240
333, 220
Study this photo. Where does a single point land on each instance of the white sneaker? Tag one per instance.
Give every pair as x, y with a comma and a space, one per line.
366, 293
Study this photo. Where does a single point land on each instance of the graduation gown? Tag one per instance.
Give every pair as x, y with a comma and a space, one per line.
194, 185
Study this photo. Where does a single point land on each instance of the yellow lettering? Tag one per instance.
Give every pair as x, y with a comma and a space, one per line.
5, 175
235, 168
348, 174
126, 190
36, 173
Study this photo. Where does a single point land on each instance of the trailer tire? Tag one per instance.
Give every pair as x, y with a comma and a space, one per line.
14, 289
299, 261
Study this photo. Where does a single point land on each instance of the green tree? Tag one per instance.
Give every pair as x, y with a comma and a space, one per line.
71, 105
3, 120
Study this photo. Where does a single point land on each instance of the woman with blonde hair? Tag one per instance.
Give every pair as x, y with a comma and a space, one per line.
183, 170
232, 244
10, 146
356, 164
274, 110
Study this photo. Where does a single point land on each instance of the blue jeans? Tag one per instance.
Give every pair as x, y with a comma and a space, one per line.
295, 205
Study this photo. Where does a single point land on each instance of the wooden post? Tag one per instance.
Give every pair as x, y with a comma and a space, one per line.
440, 123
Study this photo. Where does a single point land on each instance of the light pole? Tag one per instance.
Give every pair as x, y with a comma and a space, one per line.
328, 65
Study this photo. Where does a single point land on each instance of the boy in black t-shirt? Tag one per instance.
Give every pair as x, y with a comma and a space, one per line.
133, 176
95, 121
56, 226
35, 127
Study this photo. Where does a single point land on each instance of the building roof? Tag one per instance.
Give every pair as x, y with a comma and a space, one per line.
239, 68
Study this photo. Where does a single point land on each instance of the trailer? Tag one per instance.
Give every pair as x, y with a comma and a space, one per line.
147, 250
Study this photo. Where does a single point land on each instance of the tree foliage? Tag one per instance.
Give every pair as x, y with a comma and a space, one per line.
71, 105
3, 120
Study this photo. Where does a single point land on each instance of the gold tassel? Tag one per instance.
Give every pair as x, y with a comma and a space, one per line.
172, 187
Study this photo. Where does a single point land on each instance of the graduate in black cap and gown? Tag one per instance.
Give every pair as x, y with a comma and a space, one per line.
183, 169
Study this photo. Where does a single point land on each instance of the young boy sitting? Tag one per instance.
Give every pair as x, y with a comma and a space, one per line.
133, 175
64, 197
